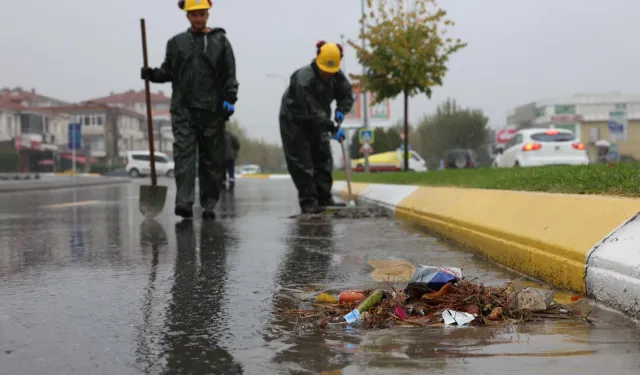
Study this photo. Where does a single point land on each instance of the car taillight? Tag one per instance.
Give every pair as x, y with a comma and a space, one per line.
470, 164
578, 146
551, 132
531, 147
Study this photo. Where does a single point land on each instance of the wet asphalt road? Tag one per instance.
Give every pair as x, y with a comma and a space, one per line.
83, 291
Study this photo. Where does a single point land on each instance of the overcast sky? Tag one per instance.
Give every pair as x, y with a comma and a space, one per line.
519, 51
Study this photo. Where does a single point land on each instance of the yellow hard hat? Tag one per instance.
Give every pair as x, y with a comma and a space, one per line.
328, 57
189, 5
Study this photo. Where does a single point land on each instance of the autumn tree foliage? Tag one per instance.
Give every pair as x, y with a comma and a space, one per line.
406, 51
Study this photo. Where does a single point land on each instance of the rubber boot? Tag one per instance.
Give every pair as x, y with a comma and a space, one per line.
331, 203
312, 209
184, 211
232, 185
208, 215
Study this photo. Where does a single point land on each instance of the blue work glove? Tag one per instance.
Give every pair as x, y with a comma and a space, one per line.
228, 107
339, 135
339, 116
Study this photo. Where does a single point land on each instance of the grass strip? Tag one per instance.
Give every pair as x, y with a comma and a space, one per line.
621, 179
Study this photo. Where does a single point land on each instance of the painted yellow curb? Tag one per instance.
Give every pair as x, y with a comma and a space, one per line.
546, 236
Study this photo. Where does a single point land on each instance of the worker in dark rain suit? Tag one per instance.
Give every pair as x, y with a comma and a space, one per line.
200, 65
305, 124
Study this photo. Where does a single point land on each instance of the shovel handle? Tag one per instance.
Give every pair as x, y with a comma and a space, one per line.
347, 168
152, 155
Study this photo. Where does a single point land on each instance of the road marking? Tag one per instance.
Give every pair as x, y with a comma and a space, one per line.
71, 204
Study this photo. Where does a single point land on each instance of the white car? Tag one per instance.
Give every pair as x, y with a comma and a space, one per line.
542, 146
139, 164
250, 169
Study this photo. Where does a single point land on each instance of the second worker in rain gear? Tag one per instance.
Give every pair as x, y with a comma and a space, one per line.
201, 67
306, 125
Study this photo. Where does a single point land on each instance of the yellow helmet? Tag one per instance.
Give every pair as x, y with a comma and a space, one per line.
328, 56
189, 5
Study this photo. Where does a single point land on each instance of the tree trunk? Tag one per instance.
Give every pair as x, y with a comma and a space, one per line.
406, 130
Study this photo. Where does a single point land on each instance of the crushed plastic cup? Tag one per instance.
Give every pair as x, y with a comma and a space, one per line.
352, 317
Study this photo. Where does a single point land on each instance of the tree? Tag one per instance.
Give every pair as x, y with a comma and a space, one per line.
408, 52
451, 127
270, 157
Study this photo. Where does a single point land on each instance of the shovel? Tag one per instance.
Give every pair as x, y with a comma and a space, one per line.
152, 197
347, 175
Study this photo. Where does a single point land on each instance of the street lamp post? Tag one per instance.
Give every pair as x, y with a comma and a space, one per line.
365, 112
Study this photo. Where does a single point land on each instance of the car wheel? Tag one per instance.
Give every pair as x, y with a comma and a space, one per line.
516, 165
460, 162
134, 173
170, 173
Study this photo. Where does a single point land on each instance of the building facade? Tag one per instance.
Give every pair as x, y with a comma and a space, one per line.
586, 115
26, 114
136, 101
107, 132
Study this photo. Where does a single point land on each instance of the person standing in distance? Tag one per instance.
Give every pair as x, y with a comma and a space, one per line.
305, 124
232, 146
201, 67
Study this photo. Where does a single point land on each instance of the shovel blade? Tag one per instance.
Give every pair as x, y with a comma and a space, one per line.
152, 199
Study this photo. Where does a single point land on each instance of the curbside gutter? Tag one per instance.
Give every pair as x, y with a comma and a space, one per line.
584, 243
61, 183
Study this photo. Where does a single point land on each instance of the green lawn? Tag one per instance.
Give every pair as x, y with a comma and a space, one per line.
621, 179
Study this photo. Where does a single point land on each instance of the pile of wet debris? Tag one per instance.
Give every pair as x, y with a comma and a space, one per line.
435, 296
348, 213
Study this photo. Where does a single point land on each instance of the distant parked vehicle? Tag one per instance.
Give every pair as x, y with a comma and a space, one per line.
391, 161
139, 164
460, 159
541, 146
250, 169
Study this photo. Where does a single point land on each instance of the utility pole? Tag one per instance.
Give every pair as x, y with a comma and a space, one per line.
347, 134
365, 112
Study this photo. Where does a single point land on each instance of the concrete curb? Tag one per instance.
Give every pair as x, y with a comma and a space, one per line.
587, 244
35, 185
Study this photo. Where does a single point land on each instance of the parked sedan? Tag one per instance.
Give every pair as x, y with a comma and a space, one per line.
541, 146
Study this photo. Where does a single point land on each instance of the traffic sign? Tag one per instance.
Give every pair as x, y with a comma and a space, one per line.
366, 136
74, 136
366, 148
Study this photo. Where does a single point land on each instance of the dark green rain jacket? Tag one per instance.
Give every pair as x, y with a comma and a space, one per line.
307, 100
202, 70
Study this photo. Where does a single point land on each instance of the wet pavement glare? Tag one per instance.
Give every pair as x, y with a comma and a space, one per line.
88, 287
